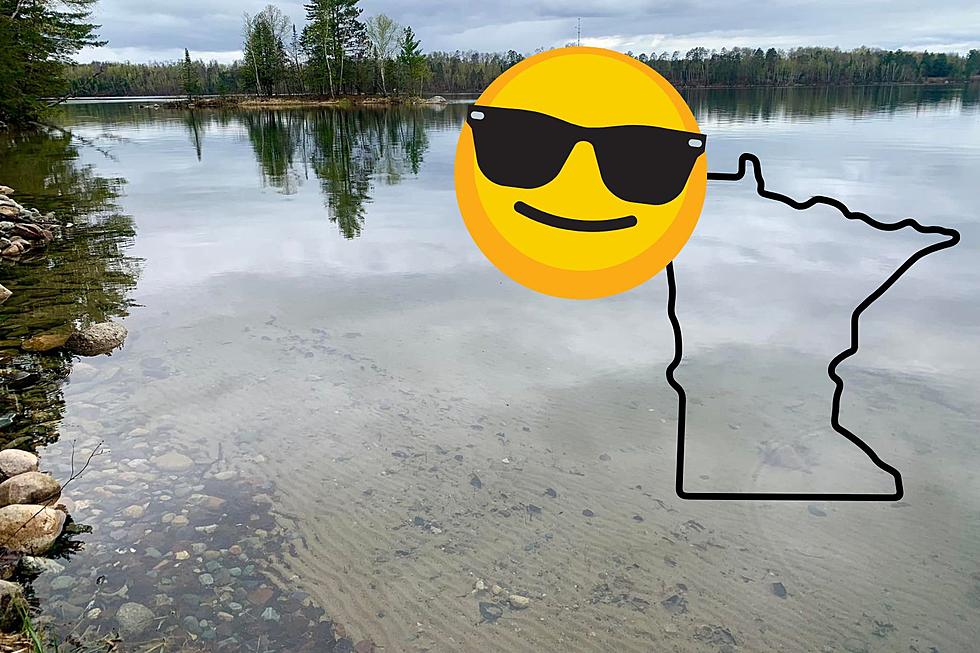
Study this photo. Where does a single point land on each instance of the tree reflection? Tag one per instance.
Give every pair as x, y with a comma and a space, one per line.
82, 278
349, 152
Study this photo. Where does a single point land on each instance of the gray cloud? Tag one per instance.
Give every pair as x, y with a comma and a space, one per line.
139, 30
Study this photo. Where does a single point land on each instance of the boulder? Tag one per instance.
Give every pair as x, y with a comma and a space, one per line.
30, 487
134, 619
97, 339
16, 461
45, 342
30, 528
437, 99
11, 604
4, 294
6, 190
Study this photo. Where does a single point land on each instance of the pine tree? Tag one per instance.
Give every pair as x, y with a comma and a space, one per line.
410, 58
192, 83
330, 38
37, 40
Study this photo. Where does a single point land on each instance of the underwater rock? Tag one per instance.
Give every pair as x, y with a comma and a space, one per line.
4, 294
97, 339
16, 461
30, 528
29, 487
45, 342
133, 619
172, 462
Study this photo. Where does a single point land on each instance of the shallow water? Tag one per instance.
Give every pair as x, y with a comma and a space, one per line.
378, 418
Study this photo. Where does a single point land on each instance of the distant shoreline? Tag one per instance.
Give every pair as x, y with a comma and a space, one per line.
284, 101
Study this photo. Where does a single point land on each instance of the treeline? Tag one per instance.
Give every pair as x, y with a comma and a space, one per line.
471, 72
338, 52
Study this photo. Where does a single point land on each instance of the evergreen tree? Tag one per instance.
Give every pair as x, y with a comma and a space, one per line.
264, 51
410, 59
330, 38
37, 40
192, 83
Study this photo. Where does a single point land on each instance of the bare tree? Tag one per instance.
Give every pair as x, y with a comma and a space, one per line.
382, 33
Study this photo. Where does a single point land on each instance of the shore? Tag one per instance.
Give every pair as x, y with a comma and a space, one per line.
303, 101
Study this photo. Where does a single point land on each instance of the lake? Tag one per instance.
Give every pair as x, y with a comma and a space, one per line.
334, 421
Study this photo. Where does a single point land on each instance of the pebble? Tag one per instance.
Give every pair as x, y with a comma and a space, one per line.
479, 585
206, 579
182, 555
269, 614
496, 589
518, 602
134, 512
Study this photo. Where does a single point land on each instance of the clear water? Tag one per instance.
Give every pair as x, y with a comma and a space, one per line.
379, 419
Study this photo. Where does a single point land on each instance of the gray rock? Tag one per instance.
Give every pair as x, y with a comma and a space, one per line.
30, 487
29, 528
16, 461
97, 339
32, 565
62, 583
133, 619
11, 602
172, 462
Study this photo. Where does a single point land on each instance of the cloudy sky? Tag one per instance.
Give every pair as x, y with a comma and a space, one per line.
147, 30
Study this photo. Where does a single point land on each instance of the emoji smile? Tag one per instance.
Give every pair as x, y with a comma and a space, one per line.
571, 224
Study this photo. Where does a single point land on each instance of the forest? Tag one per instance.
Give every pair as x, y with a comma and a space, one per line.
339, 52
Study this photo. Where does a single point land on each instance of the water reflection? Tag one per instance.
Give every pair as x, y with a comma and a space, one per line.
82, 278
768, 104
347, 151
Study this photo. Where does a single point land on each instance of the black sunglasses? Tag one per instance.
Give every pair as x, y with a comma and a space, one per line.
527, 149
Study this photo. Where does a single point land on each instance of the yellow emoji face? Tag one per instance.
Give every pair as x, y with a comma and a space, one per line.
580, 172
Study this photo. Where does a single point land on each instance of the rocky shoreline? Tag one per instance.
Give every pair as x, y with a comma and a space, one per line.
23, 232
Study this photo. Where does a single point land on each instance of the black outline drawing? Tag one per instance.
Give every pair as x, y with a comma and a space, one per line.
952, 238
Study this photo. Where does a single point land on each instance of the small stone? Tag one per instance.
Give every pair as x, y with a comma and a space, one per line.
180, 520
182, 555
172, 462
152, 552
496, 590
5, 294
225, 616
206, 579
235, 550
134, 511
270, 614
588, 513
94, 613
134, 619
479, 585
779, 590
816, 511
260, 596
518, 602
